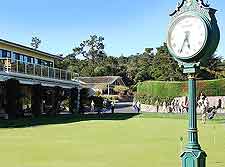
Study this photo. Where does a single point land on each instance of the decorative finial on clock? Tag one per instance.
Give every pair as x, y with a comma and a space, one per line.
178, 6
200, 3
203, 4
207, 3
187, 3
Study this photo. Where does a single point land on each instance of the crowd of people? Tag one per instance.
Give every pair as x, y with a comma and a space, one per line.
107, 106
136, 106
179, 105
203, 105
175, 106
205, 109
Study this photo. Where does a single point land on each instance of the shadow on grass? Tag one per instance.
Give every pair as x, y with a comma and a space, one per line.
62, 119
218, 119
165, 115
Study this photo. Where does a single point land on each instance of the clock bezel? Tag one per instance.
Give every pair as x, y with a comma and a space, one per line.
171, 28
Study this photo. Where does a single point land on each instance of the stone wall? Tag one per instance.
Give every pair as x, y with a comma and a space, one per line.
213, 101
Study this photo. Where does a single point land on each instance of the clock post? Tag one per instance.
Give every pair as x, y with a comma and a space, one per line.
193, 156
193, 36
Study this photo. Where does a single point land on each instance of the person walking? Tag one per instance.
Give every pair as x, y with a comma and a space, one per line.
138, 107
184, 105
203, 106
164, 108
134, 106
104, 103
112, 107
176, 106
157, 105
92, 106
173, 105
219, 106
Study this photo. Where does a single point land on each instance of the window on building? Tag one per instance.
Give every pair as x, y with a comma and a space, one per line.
50, 64
8, 53
35, 61
0, 53
28, 59
39, 61
15, 56
4, 53
25, 58
32, 60
21, 58
44, 63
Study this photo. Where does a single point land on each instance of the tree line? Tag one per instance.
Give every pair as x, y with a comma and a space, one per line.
90, 59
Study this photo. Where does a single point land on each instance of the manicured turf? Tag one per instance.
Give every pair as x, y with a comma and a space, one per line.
148, 140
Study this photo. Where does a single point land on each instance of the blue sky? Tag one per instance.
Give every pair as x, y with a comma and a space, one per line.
128, 26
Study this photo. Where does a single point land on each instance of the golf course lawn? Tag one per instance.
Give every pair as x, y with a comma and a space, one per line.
145, 141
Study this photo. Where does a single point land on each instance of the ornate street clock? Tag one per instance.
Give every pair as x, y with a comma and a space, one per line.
193, 32
193, 36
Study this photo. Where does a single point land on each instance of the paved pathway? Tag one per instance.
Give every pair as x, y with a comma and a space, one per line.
123, 107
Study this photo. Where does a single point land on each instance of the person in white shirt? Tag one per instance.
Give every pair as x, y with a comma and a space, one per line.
176, 106
164, 109
203, 104
92, 106
138, 106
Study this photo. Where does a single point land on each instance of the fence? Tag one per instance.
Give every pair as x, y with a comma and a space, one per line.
16, 66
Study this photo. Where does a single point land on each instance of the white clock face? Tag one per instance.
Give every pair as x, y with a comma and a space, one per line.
187, 36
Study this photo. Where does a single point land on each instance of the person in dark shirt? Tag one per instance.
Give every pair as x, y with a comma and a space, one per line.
112, 107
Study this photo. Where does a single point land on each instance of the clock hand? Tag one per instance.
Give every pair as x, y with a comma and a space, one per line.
181, 50
189, 46
186, 39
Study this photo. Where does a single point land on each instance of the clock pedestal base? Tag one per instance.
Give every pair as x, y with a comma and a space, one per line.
193, 158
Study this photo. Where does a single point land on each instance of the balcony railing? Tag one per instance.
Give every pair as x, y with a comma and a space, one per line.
16, 66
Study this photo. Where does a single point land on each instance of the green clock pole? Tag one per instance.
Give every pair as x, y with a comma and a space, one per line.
193, 155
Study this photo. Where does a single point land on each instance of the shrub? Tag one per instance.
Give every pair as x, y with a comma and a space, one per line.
151, 100
111, 97
162, 89
150, 91
120, 88
98, 93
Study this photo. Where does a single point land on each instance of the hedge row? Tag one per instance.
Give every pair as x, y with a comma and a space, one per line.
153, 100
178, 89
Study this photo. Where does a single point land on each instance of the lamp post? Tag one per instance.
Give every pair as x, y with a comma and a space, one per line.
193, 36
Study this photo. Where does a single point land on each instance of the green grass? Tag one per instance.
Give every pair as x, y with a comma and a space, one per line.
149, 140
